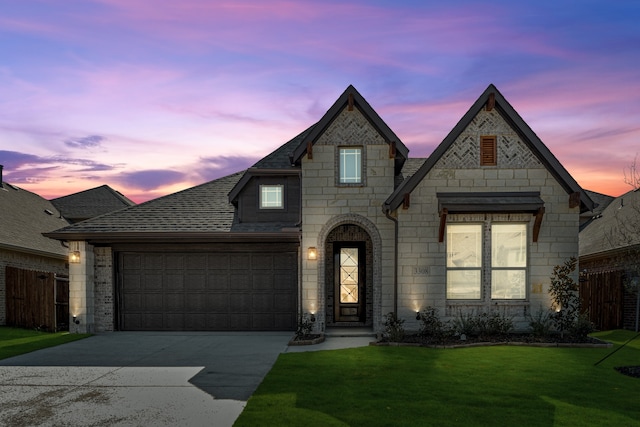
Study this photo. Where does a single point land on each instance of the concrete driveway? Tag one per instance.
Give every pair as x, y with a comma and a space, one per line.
138, 379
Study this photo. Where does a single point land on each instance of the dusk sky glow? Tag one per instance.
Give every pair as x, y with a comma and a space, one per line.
154, 96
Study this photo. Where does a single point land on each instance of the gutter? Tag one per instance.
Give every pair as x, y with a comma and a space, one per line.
387, 213
178, 237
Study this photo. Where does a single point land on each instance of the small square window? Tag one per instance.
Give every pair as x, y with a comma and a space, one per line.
271, 197
350, 163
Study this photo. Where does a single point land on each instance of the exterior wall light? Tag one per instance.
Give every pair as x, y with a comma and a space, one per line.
75, 320
417, 315
74, 257
312, 318
312, 253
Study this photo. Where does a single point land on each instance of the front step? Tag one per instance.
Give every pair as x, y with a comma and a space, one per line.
349, 332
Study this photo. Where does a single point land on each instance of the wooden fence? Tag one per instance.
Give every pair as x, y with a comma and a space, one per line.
602, 295
36, 299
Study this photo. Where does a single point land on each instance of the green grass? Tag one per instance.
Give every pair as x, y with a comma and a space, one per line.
16, 341
481, 386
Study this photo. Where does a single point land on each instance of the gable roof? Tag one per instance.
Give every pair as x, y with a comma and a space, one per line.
91, 203
617, 227
519, 125
277, 162
369, 113
24, 216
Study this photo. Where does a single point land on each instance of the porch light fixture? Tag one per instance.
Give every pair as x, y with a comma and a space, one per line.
75, 320
74, 257
417, 315
312, 253
312, 318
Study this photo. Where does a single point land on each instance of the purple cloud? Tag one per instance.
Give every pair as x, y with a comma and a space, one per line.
148, 180
216, 167
90, 141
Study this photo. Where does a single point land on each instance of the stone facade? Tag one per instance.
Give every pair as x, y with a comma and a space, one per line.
422, 258
27, 262
326, 205
104, 291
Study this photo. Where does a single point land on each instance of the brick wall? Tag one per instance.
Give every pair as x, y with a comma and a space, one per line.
26, 262
104, 291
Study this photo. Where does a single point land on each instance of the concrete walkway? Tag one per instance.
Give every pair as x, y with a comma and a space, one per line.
144, 379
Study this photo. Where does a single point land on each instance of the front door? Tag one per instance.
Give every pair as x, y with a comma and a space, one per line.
349, 281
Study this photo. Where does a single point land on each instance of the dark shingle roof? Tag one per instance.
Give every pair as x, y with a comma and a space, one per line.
600, 234
408, 169
280, 158
91, 203
203, 208
24, 216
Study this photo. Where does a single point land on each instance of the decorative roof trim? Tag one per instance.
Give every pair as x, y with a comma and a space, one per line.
519, 125
351, 97
526, 202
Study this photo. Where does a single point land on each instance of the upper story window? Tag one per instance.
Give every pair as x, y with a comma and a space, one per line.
506, 250
271, 197
350, 165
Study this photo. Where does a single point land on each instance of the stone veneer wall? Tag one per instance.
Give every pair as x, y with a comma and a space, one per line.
422, 259
27, 262
326, 205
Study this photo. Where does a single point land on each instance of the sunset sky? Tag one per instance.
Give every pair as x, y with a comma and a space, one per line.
154, 96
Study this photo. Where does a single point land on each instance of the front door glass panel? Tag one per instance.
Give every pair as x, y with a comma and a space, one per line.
349, 275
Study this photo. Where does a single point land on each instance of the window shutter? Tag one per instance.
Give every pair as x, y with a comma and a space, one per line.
488, 155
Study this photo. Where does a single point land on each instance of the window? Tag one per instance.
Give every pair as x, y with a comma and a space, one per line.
350, 166
507, 252
488, 148
271, 197
508, 261
464, 261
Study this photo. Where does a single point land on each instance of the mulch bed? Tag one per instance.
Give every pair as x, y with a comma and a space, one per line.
510, 339
631, 371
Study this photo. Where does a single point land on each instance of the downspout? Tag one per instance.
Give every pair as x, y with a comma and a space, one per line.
387, 213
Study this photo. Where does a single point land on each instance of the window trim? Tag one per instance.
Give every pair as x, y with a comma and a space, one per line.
487, 263
261, 200
362, 166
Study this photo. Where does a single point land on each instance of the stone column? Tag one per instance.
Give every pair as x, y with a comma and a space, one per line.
81, 289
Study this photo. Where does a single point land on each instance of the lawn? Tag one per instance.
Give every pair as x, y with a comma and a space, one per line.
16, 341
480, 386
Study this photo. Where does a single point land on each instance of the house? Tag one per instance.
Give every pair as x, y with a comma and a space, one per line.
340, 223
24, 216
90, 203
610, 264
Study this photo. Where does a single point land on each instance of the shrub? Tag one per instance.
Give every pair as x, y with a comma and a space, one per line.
394, 330
564, 293
465, 324
582, 326
305, 325
497, 323
540, 323
431, 326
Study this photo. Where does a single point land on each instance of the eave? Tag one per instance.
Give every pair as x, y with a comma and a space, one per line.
178, 237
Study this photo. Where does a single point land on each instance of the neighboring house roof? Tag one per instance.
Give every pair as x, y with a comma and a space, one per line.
198, 213
410, 167
24, 216
518, 124
617, 227
91, 203
352, 97
601, 201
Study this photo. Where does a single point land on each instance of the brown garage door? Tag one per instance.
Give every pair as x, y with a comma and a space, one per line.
207, 291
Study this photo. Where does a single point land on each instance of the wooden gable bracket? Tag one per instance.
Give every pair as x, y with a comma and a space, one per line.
443, 224
537, 223
392, 150
309, 150
406, 202
574, 200
491, 102
350, 107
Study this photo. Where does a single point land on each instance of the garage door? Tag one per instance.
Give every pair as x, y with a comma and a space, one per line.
207, 291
